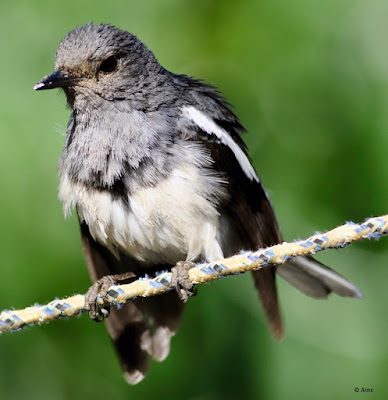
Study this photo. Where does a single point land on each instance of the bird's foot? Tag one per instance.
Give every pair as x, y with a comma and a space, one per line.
180, 280
98, 291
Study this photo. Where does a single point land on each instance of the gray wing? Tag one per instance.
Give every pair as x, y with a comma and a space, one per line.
248, 221
316, 279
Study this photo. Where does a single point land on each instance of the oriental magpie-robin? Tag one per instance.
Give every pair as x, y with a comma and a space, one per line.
157, 170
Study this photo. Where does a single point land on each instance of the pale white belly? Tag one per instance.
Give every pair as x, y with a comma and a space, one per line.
166, 223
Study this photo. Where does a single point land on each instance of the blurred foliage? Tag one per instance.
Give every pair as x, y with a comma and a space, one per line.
309, 79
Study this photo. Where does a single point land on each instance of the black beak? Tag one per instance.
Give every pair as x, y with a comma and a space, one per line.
57, 79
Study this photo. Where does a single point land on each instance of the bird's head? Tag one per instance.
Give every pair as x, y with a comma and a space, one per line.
101, 62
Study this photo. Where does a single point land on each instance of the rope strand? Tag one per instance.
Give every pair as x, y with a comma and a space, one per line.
373, 228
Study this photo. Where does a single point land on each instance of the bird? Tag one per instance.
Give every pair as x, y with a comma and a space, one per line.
155, 165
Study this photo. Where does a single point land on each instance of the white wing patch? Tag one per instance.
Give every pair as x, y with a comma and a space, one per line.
210, 127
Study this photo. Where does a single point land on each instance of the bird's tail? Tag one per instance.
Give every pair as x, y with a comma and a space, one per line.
143, 328
265, 283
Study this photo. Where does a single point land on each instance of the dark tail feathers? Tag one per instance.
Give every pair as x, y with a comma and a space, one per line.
143, 328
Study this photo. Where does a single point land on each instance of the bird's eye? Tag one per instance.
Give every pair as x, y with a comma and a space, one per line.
109, 65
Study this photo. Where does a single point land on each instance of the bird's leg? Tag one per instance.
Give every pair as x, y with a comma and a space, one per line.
180, 280
100, 289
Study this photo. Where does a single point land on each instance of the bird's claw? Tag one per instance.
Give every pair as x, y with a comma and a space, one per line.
98, 291
180, 280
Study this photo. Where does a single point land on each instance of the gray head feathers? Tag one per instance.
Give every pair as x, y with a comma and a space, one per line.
105, 62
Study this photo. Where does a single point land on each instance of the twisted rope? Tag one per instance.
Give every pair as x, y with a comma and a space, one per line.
373, 228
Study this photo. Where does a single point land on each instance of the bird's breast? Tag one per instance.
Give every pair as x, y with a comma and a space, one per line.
171, 221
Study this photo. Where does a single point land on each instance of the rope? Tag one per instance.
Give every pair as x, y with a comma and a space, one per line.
373, 228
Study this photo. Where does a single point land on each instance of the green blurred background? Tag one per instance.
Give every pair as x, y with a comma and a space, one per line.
309, 79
